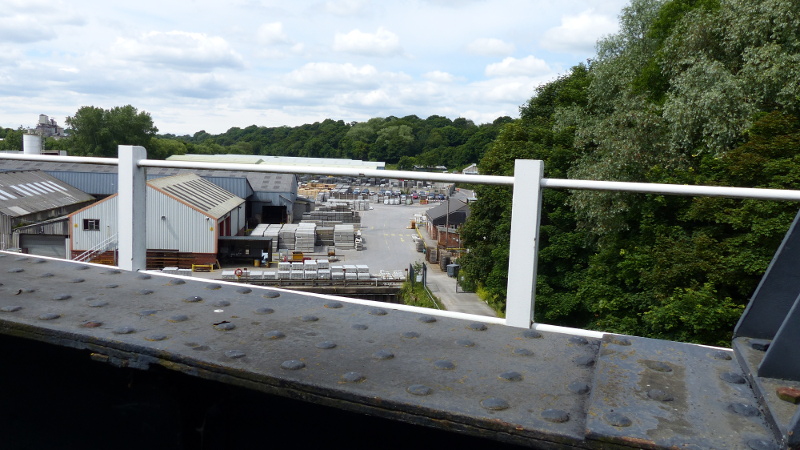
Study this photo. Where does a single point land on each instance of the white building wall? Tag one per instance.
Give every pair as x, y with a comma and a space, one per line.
183, 228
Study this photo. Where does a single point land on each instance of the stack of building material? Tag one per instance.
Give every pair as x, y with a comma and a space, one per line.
286, 236
256, 275
273, 232
323, 264
350, 272
185, 272
324, 274
284, 274
325, 235
270, 275
310, 270
363, 272
344, 236
337, 273
305, 237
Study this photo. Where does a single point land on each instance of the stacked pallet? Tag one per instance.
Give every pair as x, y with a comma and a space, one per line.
273, 232
344, 236
305, 237
325, 235
337, 273
363, 272
286, 236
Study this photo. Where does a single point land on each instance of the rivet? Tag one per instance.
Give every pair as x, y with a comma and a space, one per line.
176, 282
21, 258
14, 308
477, 326
353, 377
91, 324
178, 318
724, 356
145, 291
383, 355
585, 361
97, 303
744, 410
111, 286
244, 290
732, 377
198, 347
444, 364
264, 311
659, 395
193, 299
510, 376
16, 270
762, 444
271, 294
326, 345
213, 287
309, 318
532, 334
616, 419
26, 291
465, 343
578, 387
788, 394
46, 275
109, 272
378, 312
292, 364
619, 340
411, 334
658, 366
426, 319
274, 335
419, 389
359, 326
495, 404
312, 333
62, 297
334, 305
156, 337
578, 340
759, 344
522, 352
143, 276
49, 316
148, 312
221, 303
555, 415
123, 330
224, 326
40, 261
234, 354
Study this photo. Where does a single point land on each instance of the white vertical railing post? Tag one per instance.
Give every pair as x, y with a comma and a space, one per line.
524, 243
132, 208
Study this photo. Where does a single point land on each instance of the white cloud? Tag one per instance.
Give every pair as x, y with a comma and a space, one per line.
192, 52
439, 77
490, 47
335, 74
272, 34
578, 34
22, 29
529, 66
345, 7
381, 43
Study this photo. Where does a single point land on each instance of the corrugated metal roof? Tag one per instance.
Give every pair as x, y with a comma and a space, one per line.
201, 194
23, 193
86, 177
281, 160
234, 159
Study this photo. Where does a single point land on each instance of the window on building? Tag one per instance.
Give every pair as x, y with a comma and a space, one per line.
91, 224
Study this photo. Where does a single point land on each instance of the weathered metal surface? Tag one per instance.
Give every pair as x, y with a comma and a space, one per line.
659, 394
782, 414
511, 385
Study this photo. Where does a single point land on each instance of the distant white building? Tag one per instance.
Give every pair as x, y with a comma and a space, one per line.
471, 169
185, 217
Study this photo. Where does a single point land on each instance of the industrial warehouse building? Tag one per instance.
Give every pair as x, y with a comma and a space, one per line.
185, 217
270, 197
33, 208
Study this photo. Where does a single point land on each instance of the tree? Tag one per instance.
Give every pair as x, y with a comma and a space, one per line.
98, 132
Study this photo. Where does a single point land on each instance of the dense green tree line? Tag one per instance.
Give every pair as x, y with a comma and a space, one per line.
688, 92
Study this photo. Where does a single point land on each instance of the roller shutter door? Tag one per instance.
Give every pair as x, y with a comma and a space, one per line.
44, 245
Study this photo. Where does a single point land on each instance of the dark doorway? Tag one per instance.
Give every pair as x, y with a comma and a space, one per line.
273, 214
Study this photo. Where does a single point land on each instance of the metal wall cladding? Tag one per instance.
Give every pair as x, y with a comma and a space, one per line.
182, 228
90, 182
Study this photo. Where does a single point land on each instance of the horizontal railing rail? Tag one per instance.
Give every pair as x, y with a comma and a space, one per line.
526, 206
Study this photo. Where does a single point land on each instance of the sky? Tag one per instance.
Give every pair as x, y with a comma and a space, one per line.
211, 65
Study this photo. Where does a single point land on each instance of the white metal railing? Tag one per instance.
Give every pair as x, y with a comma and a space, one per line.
525, 214
102, 246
